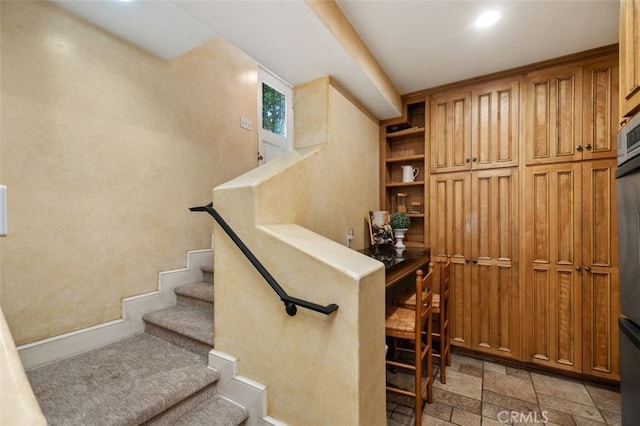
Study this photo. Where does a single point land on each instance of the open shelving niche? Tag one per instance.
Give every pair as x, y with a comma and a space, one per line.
403, 144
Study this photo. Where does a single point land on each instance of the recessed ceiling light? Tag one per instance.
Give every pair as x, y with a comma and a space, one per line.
487, 18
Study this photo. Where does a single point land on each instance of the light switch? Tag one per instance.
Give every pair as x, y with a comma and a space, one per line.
245, 123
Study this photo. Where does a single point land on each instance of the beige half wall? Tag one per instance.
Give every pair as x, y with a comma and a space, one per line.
293, 214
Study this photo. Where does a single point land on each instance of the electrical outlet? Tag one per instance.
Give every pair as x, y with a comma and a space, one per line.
245, 123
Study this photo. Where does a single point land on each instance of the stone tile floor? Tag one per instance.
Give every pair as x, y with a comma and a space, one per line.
486, 393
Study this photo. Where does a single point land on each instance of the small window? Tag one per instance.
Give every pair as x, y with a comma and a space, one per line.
274, 117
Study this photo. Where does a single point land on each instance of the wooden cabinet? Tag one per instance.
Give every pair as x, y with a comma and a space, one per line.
601, 303
495, 124
570, 263
475, 221
629, 57
570, 112
451, 234
600, 111
403, 144
553, 332
477, 129
520, 191
553, 115
495, 285
450, 132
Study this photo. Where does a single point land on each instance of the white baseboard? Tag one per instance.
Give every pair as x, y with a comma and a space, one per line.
55, 348
242, 391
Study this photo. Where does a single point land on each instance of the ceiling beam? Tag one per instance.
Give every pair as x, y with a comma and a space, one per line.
337, 23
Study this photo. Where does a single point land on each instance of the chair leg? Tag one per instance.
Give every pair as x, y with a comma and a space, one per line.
418, 382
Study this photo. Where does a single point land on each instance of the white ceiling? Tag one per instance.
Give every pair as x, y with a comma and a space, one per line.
419, 43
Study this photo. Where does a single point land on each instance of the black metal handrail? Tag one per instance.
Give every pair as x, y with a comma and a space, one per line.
290, 303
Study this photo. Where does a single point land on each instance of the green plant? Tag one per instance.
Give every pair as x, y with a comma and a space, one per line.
400, 221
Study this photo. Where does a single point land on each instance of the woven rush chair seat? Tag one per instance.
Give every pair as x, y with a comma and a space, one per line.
400, 319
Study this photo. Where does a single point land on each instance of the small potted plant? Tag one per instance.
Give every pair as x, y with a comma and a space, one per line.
400, 223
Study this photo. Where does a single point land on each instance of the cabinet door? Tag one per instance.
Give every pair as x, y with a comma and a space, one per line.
553, 115
600, 109
629, 57
600, 270
450, 135
552, 253
495, 138
450, 225
495, 295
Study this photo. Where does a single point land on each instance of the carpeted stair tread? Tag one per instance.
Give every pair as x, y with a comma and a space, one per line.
207, 273
214, 412
123, 383
190, 322
202, 291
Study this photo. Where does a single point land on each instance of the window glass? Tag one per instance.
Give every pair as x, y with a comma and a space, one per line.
273, 110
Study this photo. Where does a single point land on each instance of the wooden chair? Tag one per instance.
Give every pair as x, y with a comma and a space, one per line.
410, 325
441, 311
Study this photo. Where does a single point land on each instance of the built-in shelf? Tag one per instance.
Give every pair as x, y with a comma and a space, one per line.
406, 158
406, 132
398, 184
403, 145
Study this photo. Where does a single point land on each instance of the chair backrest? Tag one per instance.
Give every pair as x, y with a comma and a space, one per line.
445, 277
424, 287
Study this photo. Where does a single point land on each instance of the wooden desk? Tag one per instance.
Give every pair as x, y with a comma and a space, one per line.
396, 267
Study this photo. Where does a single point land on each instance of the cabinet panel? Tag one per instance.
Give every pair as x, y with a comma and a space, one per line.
600, 109
494, 281
495, 137
450, 222
450, 132
475, 220
629, 57
600, 270
552, 258
553, 115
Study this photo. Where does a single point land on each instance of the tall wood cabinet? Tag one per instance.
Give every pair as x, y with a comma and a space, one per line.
571, 262
521, 194
474, 219
474, 211
570, 231
629, 57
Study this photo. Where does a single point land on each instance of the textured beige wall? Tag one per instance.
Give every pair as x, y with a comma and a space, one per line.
319, 369
103, 148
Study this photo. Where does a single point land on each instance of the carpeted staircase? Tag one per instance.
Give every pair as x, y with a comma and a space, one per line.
157, 377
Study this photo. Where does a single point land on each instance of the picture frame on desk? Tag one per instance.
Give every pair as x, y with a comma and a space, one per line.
380, 232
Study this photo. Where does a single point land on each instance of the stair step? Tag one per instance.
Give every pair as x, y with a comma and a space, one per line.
207, 273
197, 294
214, 412
124, 383
188, 327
